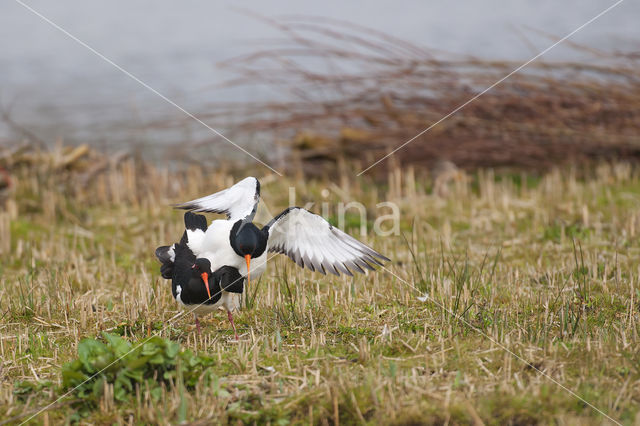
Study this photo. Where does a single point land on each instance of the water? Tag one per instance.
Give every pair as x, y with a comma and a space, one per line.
58, 89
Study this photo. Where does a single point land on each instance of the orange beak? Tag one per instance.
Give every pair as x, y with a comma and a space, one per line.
205, 278
248, 259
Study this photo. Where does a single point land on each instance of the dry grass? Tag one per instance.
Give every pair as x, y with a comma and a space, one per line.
544, 266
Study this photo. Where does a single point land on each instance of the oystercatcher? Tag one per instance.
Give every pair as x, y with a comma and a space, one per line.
193, 284
306, 238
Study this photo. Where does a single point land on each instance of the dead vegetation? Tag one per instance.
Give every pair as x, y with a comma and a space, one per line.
545, 267
346, 93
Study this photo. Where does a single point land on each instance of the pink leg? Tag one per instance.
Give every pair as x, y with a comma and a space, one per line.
198, 325
232, 324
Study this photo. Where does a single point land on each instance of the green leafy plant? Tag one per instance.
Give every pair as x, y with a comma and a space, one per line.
125, 365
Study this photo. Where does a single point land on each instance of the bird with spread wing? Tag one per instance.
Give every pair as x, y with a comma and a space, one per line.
306, 238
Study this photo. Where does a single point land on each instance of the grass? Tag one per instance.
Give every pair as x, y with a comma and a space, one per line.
546, 269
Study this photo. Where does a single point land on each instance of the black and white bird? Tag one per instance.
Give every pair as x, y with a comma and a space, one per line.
306, 238
193, 283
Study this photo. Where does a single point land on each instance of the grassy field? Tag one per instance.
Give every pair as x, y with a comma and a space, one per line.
514, 300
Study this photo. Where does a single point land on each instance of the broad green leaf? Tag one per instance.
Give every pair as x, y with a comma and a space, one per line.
88, 351
172, 349
119, 346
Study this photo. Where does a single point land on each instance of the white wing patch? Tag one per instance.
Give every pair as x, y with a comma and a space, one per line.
311, 242
237, 202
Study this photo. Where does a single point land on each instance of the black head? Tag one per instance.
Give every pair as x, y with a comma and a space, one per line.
247, 239
202, 265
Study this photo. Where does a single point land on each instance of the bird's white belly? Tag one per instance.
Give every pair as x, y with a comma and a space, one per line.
231, 301
228, 302
201, 310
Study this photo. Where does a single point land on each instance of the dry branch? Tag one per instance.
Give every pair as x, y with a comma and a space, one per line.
359, 82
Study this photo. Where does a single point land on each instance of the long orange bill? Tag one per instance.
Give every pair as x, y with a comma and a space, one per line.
205, 278
248, 259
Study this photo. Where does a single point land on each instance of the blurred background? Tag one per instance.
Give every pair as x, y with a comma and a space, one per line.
314, 85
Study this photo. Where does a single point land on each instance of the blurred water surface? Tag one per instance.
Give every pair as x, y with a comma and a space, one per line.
56, 88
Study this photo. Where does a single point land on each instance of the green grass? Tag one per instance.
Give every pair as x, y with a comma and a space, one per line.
545, 267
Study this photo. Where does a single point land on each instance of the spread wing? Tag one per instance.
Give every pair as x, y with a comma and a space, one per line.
312, 242
239, 201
